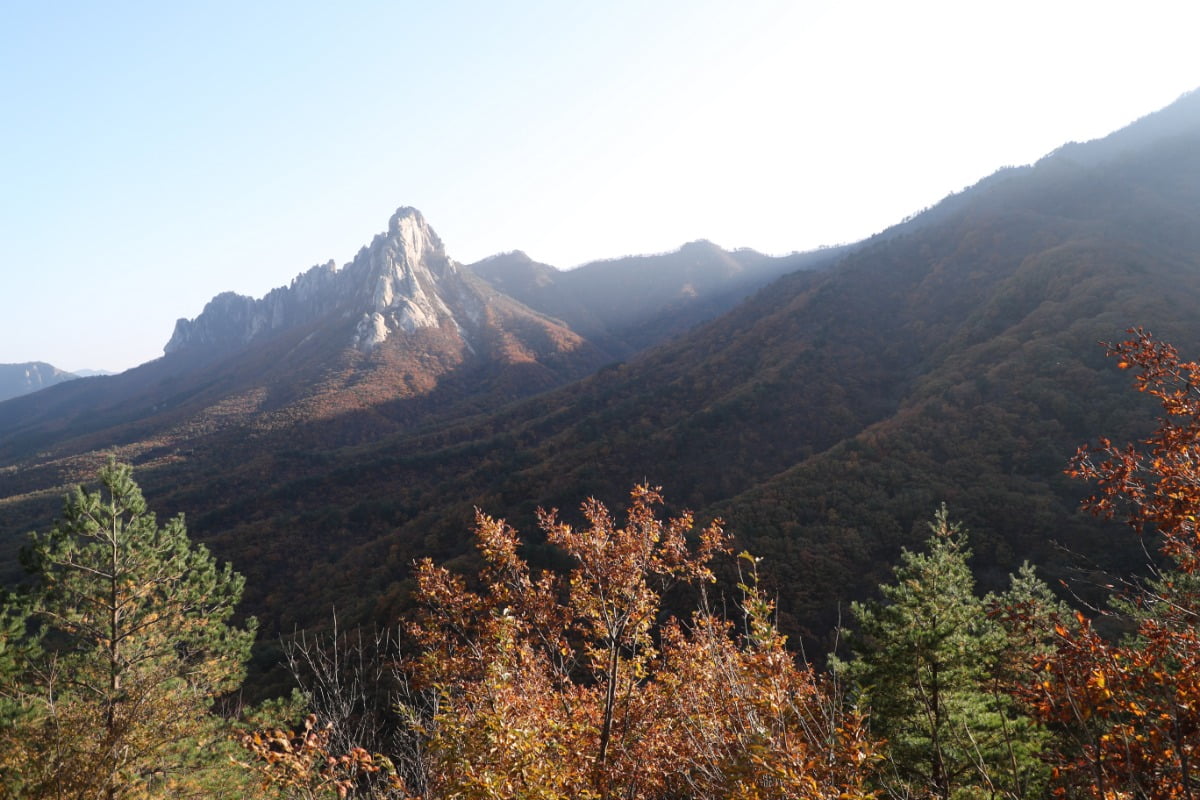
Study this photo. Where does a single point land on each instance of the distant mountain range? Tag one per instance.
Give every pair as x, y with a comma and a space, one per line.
325, 435
32, 376
628, 304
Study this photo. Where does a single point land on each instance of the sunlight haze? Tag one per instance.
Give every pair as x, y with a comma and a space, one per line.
156, 155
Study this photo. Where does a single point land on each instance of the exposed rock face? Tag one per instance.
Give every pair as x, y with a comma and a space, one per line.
19, 379
407, 273
401, 282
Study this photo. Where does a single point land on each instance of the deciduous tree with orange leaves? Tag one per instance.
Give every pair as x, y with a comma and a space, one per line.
575, 686
1132, 707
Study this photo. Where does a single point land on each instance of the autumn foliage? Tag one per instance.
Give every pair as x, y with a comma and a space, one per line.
575, 686
1130, 710
579, 683
304, 765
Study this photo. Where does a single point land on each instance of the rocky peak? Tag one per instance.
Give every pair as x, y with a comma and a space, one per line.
402, 281
406, 272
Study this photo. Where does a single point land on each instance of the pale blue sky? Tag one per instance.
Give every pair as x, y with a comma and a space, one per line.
154, 154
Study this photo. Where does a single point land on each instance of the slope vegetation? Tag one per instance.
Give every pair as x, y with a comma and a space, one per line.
953, 358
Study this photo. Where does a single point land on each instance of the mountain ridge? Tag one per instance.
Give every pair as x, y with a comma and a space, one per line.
379, 343
398, 331
30, 376
951, 358
628, 303
958, 357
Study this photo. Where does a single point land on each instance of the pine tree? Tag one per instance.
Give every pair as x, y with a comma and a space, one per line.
126, 643
13, 650
930, 666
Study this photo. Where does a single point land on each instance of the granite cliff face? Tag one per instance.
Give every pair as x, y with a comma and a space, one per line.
402, 281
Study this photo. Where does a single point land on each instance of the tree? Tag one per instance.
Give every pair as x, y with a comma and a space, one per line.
1131, 708
306, 766
930, 665
578, 686
14, 649
125, 644
355, 684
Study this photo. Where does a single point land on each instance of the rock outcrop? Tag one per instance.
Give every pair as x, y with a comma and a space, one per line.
402, 281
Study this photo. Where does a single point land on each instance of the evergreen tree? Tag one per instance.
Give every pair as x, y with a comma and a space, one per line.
931, 668
14, 648
126, 642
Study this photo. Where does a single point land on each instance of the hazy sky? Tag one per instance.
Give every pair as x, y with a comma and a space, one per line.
154, 154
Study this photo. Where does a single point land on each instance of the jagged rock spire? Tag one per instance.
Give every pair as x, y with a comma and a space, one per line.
407, 271
402, 281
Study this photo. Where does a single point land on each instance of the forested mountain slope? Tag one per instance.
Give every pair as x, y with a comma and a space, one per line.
829, 415
627, 304
953, 358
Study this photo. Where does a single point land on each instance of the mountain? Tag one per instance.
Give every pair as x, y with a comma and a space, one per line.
32, 376
403, 282
953, 358
400, 288
397, 336
400, 339
1176, 122
625, 305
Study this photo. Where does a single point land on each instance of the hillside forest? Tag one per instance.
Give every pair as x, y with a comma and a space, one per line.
623, 669
824, 404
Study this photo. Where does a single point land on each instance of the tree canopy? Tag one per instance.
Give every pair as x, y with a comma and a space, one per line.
578, 685
929, 667
123, 644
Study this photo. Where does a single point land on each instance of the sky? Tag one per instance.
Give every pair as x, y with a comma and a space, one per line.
153, 155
